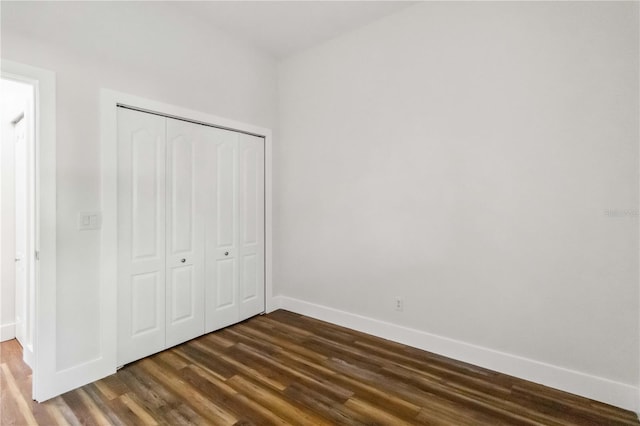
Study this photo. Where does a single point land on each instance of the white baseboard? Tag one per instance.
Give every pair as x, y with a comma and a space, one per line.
27, 356
274, 303
7, 331
73, 378
598, 388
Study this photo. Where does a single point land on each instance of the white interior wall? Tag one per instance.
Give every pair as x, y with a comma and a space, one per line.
97, 45
480, 160
14, 98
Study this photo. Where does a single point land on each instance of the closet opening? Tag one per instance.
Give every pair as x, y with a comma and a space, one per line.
190, 230
179, 184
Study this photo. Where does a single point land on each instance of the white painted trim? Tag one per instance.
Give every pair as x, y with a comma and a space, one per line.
7, 331
268, 220
109, 100
598, 388
275, 303
28, 356
44, 333
637, 408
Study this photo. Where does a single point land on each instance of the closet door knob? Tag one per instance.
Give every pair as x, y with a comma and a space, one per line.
226, 253
183, 260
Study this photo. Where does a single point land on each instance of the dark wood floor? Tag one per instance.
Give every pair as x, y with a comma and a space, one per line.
284, 368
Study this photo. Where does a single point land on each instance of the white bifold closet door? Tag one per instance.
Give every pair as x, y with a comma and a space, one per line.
186, 205
141, 235
235, 228
190, 231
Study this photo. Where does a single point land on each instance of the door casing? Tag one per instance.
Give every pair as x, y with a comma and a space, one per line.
45, 377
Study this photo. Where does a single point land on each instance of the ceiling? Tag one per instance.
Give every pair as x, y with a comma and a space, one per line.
284, 28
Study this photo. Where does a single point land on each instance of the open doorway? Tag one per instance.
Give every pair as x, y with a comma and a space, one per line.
40, 251
17, 217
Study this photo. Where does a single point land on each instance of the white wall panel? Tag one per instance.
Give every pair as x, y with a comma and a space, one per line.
476, 159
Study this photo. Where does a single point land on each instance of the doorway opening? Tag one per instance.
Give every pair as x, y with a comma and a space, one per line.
17, 217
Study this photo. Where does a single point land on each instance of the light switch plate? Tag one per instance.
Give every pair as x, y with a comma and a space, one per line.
89, 220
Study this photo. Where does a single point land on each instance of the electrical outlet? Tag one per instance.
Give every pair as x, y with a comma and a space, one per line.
399, 304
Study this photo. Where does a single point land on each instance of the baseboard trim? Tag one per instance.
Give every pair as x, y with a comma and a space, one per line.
27, 356
598, 388
273, 304
7, 332
75, 377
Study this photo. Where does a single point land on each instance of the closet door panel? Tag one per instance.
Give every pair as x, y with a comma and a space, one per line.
221, 292
185, 229
182, 303
251, 217
225, 279
145, 292
141, 235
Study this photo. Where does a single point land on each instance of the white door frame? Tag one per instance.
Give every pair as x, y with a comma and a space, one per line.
44, 337
109, 101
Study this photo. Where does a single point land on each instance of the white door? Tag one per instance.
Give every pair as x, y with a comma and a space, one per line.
221, 292
141, 234
185, 231
251, 218
190, 230
21, 217
235, 228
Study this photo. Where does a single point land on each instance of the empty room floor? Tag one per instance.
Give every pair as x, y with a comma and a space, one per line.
284, 368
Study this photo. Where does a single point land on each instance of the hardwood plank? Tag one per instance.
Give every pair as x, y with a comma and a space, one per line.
326, 387
60, 409
225, 396
101, 404
9, 408
111, 387
374, 412
56, 413
144, 416
22, 378
203, 406
284, 368
157, 398
268, 416
244, 368
321, 404
287, 410
23, 406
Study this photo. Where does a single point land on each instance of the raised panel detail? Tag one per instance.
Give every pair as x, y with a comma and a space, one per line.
182, 194
141, 235
144, 306
144, 206
250, 191
182, 293
249, 277
225, 191
225, 283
